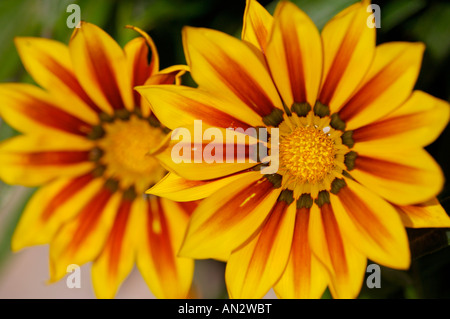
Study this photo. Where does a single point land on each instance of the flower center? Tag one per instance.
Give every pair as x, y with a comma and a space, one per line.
307, 153
126, 145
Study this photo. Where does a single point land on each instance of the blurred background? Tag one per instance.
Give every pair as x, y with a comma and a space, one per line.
24, 274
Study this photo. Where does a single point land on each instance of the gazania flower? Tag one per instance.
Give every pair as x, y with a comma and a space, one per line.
85, 142
352, 168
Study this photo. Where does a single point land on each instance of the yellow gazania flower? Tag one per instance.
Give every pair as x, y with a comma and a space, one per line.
352, 164
85, 142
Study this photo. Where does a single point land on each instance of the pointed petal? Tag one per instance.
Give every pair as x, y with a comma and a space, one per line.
304, 276
185, 152
31, 110
402, 177
177, 188
163, 223
82, 239
387, 84
372, 225
294, 54
348, 46
154, 62
100, 66
178, 106
418, 122
48, 62
230, 69
169, 75
136, 52
33, 160
257, 25
50, 207
229, 217
425, 215
346, 265
116, 260
254, 268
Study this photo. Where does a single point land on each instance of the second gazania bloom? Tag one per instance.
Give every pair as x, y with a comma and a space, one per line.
85, 142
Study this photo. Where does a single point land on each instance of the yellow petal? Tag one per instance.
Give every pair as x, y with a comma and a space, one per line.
402, 177
372, 225
29, 109
257, 25
178, 106
177, 188
116, 259
254, 268
345, 264
425, 215
50, 207
161, 230
387, 84
230, 69
187, 154
154, 62
304, 276
418, 122
48, 62
81, 239
169, 75
294, 54
348, 46
136, 52
101, 68
229, 217
33, 160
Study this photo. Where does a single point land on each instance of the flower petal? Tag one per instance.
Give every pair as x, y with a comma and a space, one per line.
186, 153
169, 75
163, 223
33, 160
82, 239
230, 69
101, 68
178, 106
294, 54
256, 266
48, 62
116, 260
372, 225
304, 276
50, 207
136, 52
177, 188
425, 215
32, 110
154, 62
348, 46
257, 24
229, 217
346, 265
402, 177
387, 84
418, 122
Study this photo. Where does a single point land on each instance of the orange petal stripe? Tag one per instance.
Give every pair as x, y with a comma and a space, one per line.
388, 170
89, 217
114, 243
65, 194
